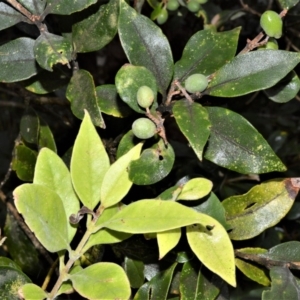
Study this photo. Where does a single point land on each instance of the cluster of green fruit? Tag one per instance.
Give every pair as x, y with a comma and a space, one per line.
162, 12
144, 128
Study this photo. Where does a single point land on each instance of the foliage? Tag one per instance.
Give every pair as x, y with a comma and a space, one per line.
151, 194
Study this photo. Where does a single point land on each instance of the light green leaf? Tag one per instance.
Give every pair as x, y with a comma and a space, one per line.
32, 291
102, 281
44, 213
116, 183
261, 208
238, 146
51, 171
212, 246
194, 123
45, 138
195, 189
167, 240
89, 163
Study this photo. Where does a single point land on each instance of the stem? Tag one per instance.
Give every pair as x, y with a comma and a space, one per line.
23, 11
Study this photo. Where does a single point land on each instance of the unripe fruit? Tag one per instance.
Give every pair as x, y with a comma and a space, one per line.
143, 128
145, 96
193, 6
162, 17
272, 44
172, 5
271, 23
196, 83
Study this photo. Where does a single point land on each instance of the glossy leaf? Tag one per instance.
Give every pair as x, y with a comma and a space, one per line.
89, 163
129, 79
24, 162
157, 160
110, 103
100, 26
252, 72
284, 285
252, 271
102, 281
44, 214
46, 138
10, 281
238, 146
32, 291
82, 95
135, 272
67, 7
285, 90
167, 240
194, 123
261, 208
202, 52
29, 126
195, 189
116, 183
145, 45
147, 216
212, 246
50, 49
9, 16
17, 60
287, 4
51, 171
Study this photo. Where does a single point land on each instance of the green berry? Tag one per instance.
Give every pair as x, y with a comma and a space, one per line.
272, 44
196, 83
143, 128
172, 5
271, 23
145, 96
193, 6
162, 17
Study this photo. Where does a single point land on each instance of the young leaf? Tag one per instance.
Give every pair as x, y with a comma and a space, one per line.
195, 189
238, 146
145, 45
284, 285
50, 49
157, 160
116, 183
82, 95
67, 7
101, 26
89, 163
129, 79
261, 208
194, 123
9, 16
212, 246
102, 281
202, 52
52, 172
167, 240
44, 214
253, 71
17, 60
32, 291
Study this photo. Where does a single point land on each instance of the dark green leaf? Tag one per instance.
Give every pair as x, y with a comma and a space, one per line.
261, 208
287, 4
110, 103
284, 285
129, 79
29, 126
9, 16
127, 142
50, 49
145, 45
235, 144
7, 262
135, 272
100, 27
67, 7
24, 162
46, 138
252, 72
17, 60
82, 94
35, 7
202, 52
194, 123
285, 90
157, 160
